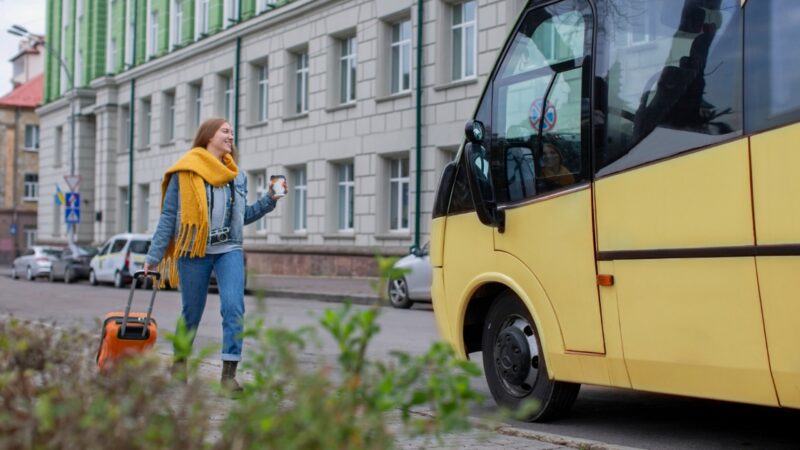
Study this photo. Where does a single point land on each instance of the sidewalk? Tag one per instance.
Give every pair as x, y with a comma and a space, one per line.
484, 435
327, 289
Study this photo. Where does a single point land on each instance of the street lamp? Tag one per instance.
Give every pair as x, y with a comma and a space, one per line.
18, 30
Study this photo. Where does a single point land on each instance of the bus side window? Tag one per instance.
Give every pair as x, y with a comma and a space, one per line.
672, 71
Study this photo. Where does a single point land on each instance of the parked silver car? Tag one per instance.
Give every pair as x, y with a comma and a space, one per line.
35, 262
415, 286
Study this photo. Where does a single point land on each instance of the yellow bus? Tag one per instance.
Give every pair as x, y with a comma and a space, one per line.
625, 208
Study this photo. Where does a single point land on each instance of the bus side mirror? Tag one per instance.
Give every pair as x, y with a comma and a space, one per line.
475, 131
479, 177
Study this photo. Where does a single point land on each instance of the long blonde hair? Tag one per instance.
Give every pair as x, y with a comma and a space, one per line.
207, 130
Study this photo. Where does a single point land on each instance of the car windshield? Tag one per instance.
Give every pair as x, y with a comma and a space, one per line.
51, 252
140, 247
87, 251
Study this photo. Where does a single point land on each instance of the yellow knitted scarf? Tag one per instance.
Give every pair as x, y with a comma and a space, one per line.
194, 167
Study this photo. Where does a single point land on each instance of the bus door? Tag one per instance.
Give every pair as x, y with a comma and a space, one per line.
541, 165
673, 200
773, 117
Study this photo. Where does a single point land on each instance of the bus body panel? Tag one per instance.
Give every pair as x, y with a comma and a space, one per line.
554, 240
689, 325
698, 200
776, 190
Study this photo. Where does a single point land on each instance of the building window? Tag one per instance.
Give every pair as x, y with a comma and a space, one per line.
152, 35
111, 64
231, 10
122, 202
301, 83
195, 106
65, 15
176, 30
227, 97
347, 70
31, 137
398, 191
30, 235
130, 21
201, 19
169, 117
298, 180
124, 128
263, 93
147, 115
59, 147
31, 191
464, 40
264, 5
261, 191
143, 218
401, 57
346, 191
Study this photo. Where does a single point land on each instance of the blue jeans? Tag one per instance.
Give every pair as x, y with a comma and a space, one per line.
195, 274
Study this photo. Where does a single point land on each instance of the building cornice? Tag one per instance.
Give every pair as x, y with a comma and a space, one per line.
63, 101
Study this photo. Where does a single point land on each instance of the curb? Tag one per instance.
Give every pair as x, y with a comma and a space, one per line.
319, 296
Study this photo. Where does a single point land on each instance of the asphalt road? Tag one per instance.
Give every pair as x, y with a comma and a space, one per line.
614, 416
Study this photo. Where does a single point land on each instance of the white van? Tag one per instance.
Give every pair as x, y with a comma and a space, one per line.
119, 258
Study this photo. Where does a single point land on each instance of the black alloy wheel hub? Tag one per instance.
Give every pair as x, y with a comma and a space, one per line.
512, 356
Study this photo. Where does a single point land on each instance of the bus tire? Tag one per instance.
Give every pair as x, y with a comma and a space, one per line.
515, 367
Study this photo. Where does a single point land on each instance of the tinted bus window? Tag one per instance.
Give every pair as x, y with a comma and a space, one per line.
772, 64
672, 75
538, 103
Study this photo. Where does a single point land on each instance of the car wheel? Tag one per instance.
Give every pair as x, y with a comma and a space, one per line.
92, 278
119, 282
515, 367
68, 275
29, 274
398, 293
52, 276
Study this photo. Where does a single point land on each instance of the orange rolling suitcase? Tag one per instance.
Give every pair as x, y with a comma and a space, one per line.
128, 333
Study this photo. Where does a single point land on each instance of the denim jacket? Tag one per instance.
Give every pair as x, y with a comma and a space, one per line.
169, 223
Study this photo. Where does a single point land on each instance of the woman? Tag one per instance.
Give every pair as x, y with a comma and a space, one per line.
553, 170
203, 210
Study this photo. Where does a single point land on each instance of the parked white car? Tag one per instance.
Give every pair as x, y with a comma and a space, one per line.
35, 262
415, 286
118, 259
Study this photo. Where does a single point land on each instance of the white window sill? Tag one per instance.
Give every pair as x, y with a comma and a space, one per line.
390, 97
340, 107
257, 124
296, 117
456, 83
349, 235
30, 199
30, 149
401, 235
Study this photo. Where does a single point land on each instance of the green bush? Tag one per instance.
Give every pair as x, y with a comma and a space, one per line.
53, 396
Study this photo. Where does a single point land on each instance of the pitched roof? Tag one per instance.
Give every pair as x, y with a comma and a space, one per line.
26, 95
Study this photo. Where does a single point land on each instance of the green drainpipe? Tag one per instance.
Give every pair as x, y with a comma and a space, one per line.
418, 194
131, 111
236, 90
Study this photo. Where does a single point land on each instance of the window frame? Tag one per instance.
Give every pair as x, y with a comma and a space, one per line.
348, 64
36, 136
262, 91
299, 181
403, 182
301, 82
345, 183
399, 46
30, 191
463, 26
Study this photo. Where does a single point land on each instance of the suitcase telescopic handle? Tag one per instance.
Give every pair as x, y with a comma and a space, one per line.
136, 275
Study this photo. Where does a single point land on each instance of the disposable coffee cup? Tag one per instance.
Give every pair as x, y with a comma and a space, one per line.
278, 185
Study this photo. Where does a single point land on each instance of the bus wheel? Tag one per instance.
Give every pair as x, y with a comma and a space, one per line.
515, 367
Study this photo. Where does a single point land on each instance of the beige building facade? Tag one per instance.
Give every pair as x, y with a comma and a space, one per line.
326, 95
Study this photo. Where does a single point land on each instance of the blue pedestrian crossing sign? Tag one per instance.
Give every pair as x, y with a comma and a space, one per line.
72, 212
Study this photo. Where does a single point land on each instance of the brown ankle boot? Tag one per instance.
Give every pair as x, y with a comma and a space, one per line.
228, 379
